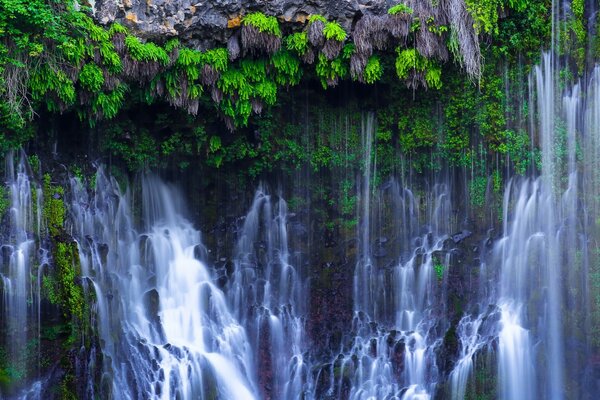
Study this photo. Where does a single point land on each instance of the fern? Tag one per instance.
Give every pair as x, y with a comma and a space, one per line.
91, 77
334, 31
373, 70
262, 22
217, 58
297, 42
287, 68
109, 104
110, 58
400, 9
330, 72
145, 52
116, 28
410, 60
316, 17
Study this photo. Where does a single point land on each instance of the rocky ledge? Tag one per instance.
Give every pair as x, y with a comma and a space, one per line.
203, 23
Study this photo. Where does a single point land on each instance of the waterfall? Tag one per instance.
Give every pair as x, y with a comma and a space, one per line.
392, 354
166, 329
542, 257
22, 264
267, 291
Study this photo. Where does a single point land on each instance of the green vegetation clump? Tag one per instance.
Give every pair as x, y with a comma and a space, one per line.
62, 287
54, 207
262, 22
400, 8
334, 31
4, 200
412, 66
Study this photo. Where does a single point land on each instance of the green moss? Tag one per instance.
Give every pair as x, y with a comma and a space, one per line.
4, 200
62, 287
54, 207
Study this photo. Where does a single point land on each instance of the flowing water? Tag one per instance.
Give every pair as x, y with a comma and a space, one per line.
167, 330
22, 262
173, 323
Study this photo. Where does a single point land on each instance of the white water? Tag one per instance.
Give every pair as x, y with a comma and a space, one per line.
268, 293
166, 328
21, 263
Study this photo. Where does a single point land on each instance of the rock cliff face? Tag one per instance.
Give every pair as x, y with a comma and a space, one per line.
203, 23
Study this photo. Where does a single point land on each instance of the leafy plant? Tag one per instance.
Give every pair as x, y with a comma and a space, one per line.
334, 31
400, 8
262, 22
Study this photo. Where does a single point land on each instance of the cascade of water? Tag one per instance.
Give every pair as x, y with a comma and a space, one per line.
542, 255
392, 354
267, 293
399, 360
165, 328
364, 284
21, 263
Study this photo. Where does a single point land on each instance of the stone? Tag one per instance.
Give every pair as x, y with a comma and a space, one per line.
208, 23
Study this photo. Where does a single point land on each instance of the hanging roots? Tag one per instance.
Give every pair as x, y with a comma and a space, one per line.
118, 41
254, 41
257, 105
216, 94
398, 26
110, 81
358, 62
173, 56
332, 48
309, 56
209, 75
229, 123
159, 88
461, 24
233, 47
416, 79
315, 33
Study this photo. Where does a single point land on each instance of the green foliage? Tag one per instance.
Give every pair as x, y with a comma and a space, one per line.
287, 68
373, 70
108, 104
262, 22
400, 8
4, 201
330, 72
439, 269
54, 206
485, 14
409, 60
316, 17
145, 52
334, 31
91, 77
218, 58
417, 131
62, 288
574, 34
297, 42
525, 31
477, 191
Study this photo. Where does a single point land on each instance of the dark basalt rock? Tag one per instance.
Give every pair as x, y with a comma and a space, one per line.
460, 236
205, 23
